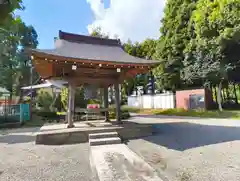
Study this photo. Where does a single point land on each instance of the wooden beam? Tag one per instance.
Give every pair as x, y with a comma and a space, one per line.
45, 70
131, 73
97, 81
106, 103
62, 59
117, 102
70, 112
87, 70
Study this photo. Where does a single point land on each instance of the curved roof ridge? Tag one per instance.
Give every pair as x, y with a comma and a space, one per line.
88, 39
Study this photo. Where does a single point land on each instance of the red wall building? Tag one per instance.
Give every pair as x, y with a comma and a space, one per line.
194, 98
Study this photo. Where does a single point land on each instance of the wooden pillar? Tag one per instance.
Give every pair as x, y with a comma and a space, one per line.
70, 112
117, 102
106, 104
235, 93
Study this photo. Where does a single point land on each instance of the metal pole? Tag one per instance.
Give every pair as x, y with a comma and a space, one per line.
31, 96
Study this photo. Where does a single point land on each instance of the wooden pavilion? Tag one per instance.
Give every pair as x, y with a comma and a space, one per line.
87, 60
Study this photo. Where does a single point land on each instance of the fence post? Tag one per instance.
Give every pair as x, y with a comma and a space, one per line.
152, 99
21, 110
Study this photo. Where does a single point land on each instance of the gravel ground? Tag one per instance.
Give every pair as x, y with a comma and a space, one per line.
118, 163
192, 150
22, 160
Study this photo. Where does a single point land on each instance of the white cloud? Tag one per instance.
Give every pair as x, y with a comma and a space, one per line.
129, 19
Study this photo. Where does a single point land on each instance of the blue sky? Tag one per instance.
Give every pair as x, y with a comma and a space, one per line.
124, 18
50, 16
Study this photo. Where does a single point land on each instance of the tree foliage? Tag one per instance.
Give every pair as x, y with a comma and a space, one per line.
7, 7
145, 50
175, 36
15, 37
212, 55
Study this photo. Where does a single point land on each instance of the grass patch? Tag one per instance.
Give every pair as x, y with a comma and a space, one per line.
36, 121
131, 109
199, 113
233, 114
61, 113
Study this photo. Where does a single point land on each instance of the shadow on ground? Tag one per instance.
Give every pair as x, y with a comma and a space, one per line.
14, 139
222, 116
162, 116
20, 135
184, 135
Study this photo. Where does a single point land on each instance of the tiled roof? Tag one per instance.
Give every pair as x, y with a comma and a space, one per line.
91, 48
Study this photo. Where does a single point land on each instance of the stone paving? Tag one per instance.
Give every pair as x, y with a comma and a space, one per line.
182, 149
22, 160
189, 149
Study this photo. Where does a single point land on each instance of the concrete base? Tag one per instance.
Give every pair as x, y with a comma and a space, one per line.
105, 138
104, 141
57, 134
118, 162
103, 135
70, 126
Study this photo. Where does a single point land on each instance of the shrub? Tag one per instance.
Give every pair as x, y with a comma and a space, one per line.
48, 114
79, 101
94, 101
131, 109
64, 98
124, 114
191, 113
44, 99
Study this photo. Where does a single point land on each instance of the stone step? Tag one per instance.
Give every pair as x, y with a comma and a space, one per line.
103, 135
104, 141
118, 162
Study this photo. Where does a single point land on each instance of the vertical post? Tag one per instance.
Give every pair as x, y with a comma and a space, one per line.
70, 105
31, 94
235, 93
73, 101
106, 104
117, 102
152, 83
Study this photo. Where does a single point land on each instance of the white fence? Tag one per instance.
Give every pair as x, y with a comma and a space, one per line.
157, 101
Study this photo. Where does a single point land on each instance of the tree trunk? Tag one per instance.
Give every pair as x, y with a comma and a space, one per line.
219, 96
235, 93
222, 94
227, 91
128, 91
215, 92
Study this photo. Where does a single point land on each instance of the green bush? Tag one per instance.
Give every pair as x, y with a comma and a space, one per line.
64, 98
44, 99
193, 113
47, 114
80, 100
124, 114
131, 109
94, 101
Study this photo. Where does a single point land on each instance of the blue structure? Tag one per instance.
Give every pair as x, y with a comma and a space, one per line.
11, 114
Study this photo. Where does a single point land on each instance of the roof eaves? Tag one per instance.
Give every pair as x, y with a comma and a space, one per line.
52, 52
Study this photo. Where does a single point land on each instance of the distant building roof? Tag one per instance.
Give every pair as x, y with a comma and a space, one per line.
48, 83
82, 47
3, 90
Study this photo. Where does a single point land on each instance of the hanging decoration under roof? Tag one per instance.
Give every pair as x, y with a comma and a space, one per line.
88, 60
90, 92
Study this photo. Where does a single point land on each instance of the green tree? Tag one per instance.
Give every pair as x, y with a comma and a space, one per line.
175, 36
15, 37
211, 55
45, 99
146, 49
7, 7
97, 32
